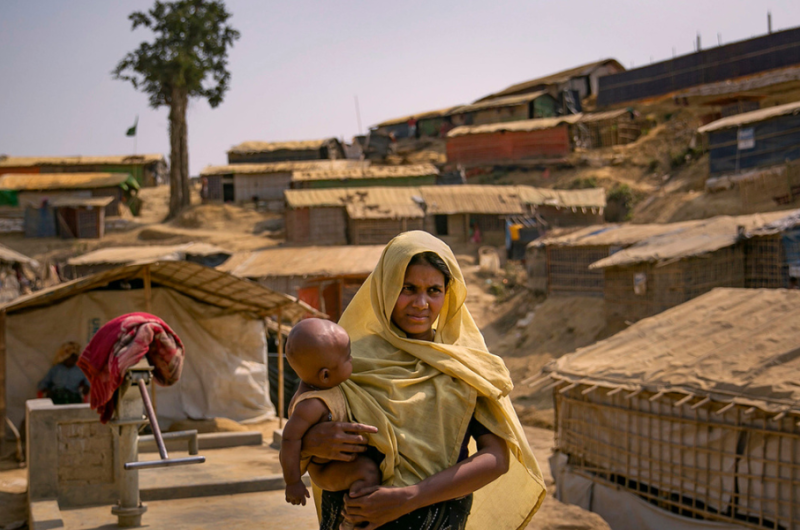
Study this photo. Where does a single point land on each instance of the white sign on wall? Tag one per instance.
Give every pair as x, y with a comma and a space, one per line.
747, 138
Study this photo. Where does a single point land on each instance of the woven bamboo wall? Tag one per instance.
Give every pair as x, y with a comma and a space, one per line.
568, 272
765, 263
379, 231
316, 226
699, 460
670, 285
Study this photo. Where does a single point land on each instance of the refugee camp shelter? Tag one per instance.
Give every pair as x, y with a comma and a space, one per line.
12, 263
146, 169
432, 124
32, 189
263, 182
761, 138
358, 216
558, 263
220, 319
563, 208
771, 52
255, 152
324, 277
686, 420
528, 106
674, 267
772, 253
583, 80
405, 175
455, 211
107, 258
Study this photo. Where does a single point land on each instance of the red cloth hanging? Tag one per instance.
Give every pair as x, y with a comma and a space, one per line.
122, 343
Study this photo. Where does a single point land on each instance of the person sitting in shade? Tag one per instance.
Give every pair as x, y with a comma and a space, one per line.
65, 383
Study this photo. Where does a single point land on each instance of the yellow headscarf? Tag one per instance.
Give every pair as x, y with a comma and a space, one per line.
422, 395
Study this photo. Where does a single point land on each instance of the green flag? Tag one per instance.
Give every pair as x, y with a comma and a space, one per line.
132, 130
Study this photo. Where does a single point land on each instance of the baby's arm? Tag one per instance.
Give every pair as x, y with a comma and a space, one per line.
305, 414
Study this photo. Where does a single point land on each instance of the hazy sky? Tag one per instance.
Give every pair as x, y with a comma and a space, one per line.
299, 64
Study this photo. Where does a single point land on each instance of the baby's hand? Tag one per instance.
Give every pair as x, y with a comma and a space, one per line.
296, 493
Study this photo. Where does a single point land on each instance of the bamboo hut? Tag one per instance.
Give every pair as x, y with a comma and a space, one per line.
686, 420
669, 269
219, 317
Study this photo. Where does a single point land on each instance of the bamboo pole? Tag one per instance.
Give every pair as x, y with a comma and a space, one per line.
280, 368
148, 308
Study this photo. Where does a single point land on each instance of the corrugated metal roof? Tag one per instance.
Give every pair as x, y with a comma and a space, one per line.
755, 116
369, 172
693, 238
511, 126
584, 198
419, 116
94, 202
8, 255
58, 181
736, 345
510, 101
266, 147
204, 284
124, 255
468, 198
552, 79
281, 167
120, 160
325, 261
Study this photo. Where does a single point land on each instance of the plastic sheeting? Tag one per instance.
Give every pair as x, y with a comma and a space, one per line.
224, 375
620, 509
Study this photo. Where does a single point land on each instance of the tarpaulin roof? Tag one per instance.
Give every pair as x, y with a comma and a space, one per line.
280, 167
204, 284
408, 201
746, 118
265, 147
327, 261
737, 344
120, 160
692, 238
510, 101
94, 202
606, 234
552, 79
59, 181
369, 172
419, 116
12, 256
515, 126
120, 255
583, 198
472, 198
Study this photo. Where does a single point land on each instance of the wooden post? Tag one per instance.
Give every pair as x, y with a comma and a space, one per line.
280, 368
148, 308
3, 368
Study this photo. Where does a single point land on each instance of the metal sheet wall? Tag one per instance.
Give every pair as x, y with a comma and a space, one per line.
743, 58
776, 141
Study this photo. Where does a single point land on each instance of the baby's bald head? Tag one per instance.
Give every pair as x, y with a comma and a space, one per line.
319, 351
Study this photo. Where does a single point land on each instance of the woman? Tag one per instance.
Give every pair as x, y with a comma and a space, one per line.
422, 376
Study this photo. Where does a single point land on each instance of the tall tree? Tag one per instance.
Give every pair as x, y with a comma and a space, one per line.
188, 58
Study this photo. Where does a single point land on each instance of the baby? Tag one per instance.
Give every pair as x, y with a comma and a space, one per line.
319, 351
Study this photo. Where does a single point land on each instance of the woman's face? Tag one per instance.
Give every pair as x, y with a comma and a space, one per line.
420, 301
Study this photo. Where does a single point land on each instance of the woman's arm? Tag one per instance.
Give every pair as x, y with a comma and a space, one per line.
380, 505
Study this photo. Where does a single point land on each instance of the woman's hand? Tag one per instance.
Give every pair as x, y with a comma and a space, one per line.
379, 505
336, 440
